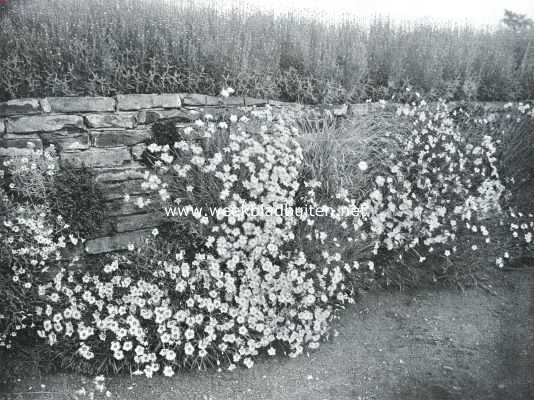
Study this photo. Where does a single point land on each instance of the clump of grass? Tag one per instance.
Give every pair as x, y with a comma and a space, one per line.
332, 153
65, 47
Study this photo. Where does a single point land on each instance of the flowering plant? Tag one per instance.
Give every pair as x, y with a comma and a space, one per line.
31, 242
220, 289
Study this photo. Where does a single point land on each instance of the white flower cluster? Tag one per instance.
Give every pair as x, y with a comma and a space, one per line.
29, 242
227, 287
30, 172
248, 288
441, 185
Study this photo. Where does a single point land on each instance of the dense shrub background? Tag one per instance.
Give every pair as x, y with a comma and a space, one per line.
67, 47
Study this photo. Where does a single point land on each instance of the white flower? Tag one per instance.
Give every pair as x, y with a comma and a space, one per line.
227, 92
380, 180
168, 371
189, 349
362, 165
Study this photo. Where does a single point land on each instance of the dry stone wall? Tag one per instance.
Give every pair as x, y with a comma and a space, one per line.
108, 134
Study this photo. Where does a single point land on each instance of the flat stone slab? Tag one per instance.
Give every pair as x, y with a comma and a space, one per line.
134, 102
15, 152
117, 190
116, 242
97, 158
67, 141
121, 207
195, 99
151, 116
44, 123
21, 141
138, 221
250, 101
118, 120
114, 138
19, 106
132, 171
81, 104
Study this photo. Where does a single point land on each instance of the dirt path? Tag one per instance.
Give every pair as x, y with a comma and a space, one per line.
429, 346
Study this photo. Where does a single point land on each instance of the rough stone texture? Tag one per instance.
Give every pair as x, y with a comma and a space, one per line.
133, 171
116, 242
121, 207
67, 141
196, 99
138, 221
234, 101
14, 152
134, 102
95, 158
108, 135
118, 120
115, 191
81, 104
19, 106
105, 229
278, 103
151, 116
249, 101
44, 123
114, 138
21, 141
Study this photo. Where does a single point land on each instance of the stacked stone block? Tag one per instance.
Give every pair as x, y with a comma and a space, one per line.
108, 135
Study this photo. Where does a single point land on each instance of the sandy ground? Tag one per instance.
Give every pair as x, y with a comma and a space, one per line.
442, 344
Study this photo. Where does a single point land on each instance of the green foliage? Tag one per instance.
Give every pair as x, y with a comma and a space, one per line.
76, 197
65, 47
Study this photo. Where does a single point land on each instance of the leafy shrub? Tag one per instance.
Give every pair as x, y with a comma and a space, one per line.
76, 197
